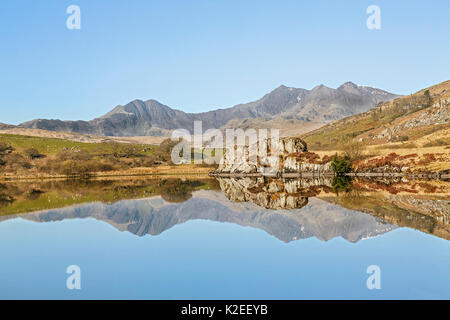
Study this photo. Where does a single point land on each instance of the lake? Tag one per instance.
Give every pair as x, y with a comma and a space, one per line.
259, 238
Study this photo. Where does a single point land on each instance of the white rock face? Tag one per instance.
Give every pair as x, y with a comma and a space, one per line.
271, 158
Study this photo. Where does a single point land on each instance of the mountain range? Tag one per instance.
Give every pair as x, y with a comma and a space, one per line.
280, 107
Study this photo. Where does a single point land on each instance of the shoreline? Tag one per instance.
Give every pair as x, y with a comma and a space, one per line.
204, 172
430, 175
165, 171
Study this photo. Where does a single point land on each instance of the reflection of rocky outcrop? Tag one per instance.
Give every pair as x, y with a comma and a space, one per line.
154, 215
273, 193
271, 157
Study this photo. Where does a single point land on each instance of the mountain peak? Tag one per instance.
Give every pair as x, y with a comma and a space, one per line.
349, 84
280, 88
138, 117
320, 87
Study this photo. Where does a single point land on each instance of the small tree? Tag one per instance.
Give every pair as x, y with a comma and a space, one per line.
341, 165
352, 149
428, 99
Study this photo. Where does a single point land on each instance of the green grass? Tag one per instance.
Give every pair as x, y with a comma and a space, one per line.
44, 145
51, 146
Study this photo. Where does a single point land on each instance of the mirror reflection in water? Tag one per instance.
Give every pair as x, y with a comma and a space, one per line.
206, 216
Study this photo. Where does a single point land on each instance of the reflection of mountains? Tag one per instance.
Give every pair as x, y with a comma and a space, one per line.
286, 208
154, 215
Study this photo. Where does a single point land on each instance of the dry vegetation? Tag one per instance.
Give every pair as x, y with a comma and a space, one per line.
78, 137
418, 124
23, 156
395, 118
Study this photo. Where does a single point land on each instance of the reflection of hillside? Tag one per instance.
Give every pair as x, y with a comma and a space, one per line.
405, 210
21, 197
289, 209
418, 205
154, 215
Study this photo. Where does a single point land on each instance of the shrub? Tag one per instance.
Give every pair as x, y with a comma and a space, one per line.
164, 151
15, 161
123, 150
105, 167
400, 139
32, 154
326, 158
352, 149
438, 142
5, 148
341, 165
309, 157
427, 159
427, 99
74, 154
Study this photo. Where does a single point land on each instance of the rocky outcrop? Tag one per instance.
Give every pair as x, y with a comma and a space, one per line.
437, 114
273, 157
273, 193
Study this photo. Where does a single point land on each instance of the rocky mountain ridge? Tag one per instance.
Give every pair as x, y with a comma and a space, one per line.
152, 118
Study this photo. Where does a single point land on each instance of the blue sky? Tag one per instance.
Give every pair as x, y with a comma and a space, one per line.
201, 55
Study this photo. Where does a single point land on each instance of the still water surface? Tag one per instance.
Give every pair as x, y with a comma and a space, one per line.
198, 244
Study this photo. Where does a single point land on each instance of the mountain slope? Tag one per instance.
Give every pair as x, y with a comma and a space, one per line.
139, 118
4, 126
410, 118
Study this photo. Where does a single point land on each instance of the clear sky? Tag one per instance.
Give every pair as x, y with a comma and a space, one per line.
200, 55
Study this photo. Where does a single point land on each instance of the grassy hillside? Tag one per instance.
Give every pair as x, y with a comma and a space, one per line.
77, 137
24, 156
405, 119
52, 146
413, 131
